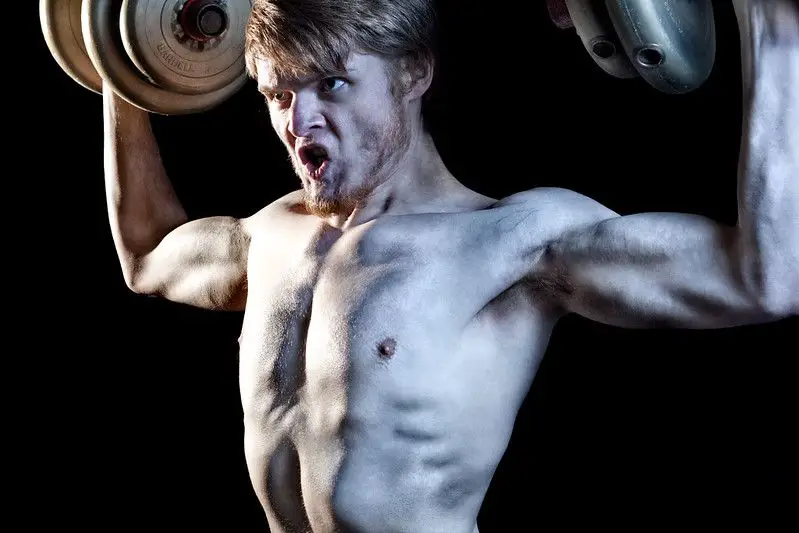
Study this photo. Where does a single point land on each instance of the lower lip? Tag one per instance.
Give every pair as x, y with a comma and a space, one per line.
316, 174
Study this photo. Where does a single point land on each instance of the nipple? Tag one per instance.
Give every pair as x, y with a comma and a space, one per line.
385, 349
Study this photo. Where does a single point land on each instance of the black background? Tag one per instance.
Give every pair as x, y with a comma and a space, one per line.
135, 419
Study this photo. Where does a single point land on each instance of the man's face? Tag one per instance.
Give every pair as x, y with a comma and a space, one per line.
344, 132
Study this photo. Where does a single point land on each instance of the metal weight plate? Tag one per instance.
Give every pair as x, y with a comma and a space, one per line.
672, 43
101, 33
61, 26
595, 29
187, 46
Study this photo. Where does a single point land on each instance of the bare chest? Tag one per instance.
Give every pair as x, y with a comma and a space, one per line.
341, 326
398, 346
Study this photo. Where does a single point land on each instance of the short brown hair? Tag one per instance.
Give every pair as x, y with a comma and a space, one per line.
316, 36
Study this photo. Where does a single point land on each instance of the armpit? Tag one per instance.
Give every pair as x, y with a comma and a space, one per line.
549, 279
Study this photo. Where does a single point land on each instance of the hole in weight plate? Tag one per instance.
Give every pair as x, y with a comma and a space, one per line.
211, 21
649, 56
603, 49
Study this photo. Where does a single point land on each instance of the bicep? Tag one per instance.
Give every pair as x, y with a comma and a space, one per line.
202, 263
653, 270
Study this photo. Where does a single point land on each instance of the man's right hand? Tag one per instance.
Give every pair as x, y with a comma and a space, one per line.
203, 262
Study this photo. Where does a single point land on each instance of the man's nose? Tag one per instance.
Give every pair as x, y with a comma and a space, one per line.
305, 115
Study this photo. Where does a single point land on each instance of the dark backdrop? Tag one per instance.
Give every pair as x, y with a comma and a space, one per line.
136, 419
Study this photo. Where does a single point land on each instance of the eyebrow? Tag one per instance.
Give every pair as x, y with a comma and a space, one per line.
263, 88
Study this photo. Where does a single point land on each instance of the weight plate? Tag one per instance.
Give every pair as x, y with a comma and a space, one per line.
672, 43
101, 33
595, 29
186, 46
61, 26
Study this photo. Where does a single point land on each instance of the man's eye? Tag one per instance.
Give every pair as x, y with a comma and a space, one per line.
330, 85
280, 96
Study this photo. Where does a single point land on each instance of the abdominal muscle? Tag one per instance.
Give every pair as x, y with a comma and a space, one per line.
370, 442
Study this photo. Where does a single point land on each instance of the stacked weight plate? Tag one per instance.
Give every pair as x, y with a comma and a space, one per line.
165, 56
671, 44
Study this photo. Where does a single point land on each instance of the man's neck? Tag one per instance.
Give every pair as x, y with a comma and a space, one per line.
419, 183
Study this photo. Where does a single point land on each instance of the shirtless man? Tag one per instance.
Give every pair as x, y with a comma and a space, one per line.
394, 319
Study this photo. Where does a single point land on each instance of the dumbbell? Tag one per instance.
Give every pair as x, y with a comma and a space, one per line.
671, 44
168, 57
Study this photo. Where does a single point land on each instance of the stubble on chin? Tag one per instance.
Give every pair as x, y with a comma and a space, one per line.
326, 205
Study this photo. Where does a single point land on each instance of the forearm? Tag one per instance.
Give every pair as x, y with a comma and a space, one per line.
142, 205
768, 172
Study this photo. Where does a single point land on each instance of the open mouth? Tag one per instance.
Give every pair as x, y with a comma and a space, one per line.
315, 160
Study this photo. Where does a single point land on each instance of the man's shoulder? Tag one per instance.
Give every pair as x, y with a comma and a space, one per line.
556, 203
542, 197
531, 219
544, 211
291, 203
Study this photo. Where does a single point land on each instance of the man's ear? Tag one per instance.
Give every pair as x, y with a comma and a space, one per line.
417, 75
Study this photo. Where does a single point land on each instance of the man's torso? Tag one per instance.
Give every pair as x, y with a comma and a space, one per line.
382, 368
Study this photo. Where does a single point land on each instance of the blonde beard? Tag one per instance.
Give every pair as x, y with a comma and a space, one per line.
325, 207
